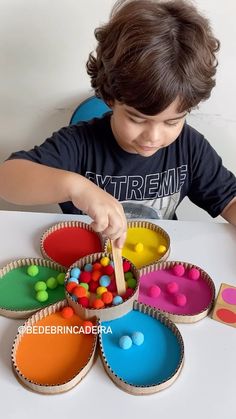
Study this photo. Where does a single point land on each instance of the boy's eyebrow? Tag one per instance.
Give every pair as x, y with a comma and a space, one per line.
143, 117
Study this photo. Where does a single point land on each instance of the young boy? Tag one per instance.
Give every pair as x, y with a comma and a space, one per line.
155, 61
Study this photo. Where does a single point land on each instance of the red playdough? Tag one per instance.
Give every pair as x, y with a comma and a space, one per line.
68, 244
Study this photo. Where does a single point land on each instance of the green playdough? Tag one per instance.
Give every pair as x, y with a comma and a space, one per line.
17, 290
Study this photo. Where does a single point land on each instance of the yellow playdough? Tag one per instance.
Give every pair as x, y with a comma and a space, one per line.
152, 242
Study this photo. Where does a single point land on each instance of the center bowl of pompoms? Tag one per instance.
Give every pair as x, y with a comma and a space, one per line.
91, 289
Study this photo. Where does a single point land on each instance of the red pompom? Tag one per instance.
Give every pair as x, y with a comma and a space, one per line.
126, 266
85, 277
128, 293
84, 301
108, 270
93, 286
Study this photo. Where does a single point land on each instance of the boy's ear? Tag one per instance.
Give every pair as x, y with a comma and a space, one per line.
110, 103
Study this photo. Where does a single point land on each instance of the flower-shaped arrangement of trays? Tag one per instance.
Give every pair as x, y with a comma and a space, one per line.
145, 351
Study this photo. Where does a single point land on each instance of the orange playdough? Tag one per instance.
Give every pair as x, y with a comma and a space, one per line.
54, 358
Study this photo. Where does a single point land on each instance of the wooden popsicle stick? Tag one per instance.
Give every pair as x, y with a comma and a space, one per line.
118, 267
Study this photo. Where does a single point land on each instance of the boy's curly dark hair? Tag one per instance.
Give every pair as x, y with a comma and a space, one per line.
151, 52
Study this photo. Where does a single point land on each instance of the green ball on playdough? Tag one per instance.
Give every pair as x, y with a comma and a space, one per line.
42, 296
32, 270
61, 278
51, 283
40, 286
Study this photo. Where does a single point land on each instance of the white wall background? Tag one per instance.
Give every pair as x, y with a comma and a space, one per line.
44, 46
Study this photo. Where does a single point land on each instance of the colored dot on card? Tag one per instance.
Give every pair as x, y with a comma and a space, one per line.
229, 295
226, 316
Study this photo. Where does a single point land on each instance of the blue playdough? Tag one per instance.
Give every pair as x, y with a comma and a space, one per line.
151, 363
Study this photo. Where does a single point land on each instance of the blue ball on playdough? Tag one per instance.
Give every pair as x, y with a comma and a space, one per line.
117, 300
104, 281
137, 338
125, 342
75, 272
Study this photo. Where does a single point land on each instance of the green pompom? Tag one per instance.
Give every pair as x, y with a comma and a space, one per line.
128, 275
61, 278
32, 270
42, 296
83, 284
52, 283
40, 286
131, 282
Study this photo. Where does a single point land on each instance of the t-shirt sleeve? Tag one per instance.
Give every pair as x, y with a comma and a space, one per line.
212, 185
59, 151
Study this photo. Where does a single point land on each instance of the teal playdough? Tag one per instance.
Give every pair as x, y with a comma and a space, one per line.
17, 289
153, 362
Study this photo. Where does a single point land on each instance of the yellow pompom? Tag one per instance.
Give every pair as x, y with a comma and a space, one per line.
161, 249
101, 290
138, 247
105, 261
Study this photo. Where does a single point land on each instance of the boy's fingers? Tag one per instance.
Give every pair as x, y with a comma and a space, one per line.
100, 224
121, 240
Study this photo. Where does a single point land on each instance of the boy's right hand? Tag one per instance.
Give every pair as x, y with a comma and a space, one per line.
106, 211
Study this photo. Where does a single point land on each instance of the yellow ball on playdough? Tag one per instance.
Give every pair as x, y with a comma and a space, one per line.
161, 249
138, 247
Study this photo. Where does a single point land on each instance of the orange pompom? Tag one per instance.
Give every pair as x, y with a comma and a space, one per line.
79, 291
70, 286
67, 312
95, 275
107, 297
97, 266
98, 303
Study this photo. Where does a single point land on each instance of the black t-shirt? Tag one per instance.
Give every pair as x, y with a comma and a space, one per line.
148, 187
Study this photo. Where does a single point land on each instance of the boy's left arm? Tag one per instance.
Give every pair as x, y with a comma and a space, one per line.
229, 212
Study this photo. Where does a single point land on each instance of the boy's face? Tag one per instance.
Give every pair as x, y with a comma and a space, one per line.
143, 134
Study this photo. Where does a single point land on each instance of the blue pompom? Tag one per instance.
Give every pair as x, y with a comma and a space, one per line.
137, 338
125, 342
88, 267
75, 272
117, 300
104, 281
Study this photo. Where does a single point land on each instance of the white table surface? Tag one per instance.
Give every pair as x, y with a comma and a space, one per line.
206, 387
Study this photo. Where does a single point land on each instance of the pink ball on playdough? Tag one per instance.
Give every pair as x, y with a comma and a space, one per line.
179, 270
194, 273
172, 287
180, 300
154, 291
